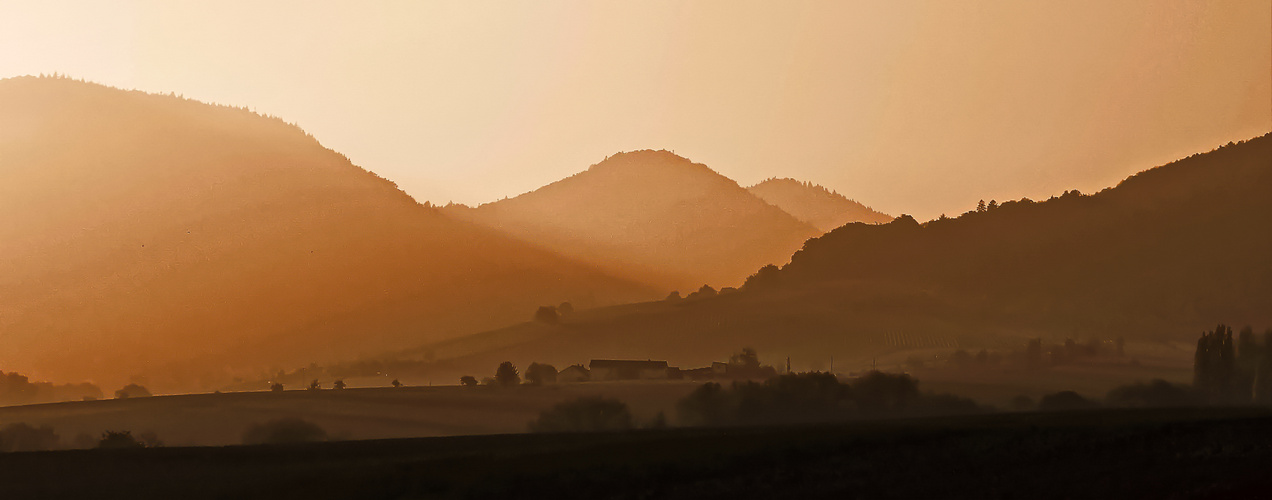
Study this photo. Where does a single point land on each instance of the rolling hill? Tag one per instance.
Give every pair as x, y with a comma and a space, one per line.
820, 207
652, 216
145, 234
1160, 257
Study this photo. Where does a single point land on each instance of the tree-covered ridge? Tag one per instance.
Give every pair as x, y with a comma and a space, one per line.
823, 208
1185, 238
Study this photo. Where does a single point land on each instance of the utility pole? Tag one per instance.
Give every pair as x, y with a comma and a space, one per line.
788, 364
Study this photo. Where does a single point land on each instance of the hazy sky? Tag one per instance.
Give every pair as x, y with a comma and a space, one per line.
911, 107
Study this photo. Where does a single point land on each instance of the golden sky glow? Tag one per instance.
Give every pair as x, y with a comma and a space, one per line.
911, 107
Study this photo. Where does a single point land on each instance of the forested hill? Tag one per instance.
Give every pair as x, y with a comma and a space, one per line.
1162, 256
1190, 240
143, 232
816, 205
652, 216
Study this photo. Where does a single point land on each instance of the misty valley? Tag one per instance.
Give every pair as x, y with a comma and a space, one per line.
205, 301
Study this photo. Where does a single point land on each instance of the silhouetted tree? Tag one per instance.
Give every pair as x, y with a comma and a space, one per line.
709, 404
277, 387
547, 315
980, 206
132, 391
1065, 401
1247, 350
506, 375
565, 309
585, 414
879, 392
283, 431
1215, 373
396, 383
314, 385
118, 440
468, 380
339, 384
673, 296
1261, 389
747, 359
1033, 354
23, 437
992, 205
539, 374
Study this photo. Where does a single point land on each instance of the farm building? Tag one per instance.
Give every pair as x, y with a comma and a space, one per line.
626, 369
572, 374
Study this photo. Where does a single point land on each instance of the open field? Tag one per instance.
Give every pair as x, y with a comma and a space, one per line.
1179, 453
372, 413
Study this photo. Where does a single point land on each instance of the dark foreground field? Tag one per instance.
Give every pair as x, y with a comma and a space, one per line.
1100, 454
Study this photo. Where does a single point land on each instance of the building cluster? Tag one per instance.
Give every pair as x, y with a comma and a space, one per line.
630, 369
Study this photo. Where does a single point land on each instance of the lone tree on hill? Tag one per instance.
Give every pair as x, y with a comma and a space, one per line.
119, 439
396, 383
539, 374
547, 315
506, 375
468, 381
132, 391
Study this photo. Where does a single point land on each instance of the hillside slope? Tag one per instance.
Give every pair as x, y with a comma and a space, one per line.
816, 205
654, 216
147, 234
1157, 259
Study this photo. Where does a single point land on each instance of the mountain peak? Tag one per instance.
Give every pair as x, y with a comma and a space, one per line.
814, 204
654, 216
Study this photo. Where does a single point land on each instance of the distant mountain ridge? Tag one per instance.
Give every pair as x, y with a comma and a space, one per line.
144, 233
1163, 255
652, 216
814, 204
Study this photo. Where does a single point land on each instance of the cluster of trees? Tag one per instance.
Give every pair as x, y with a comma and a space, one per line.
24, 437
814, 397
585, 414
17, 389
553, 315
1233, 371
704, 292
132, 391
506, 375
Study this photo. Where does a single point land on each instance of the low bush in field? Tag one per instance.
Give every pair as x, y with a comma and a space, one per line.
284, 430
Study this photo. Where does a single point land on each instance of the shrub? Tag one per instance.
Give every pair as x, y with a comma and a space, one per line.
539, 374
1065, 401
118, 440
132, 391
23, 437
1157, 393
882, 392
284, 430
547, 315
586, 414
